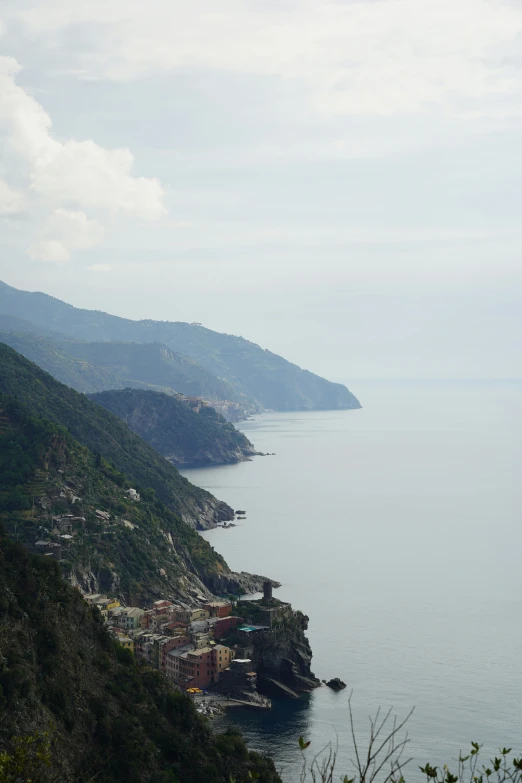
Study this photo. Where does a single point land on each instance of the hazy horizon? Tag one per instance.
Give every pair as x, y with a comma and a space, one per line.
337, 181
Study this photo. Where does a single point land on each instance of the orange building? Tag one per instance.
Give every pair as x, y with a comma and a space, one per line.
193, 669
218, 608
222, 657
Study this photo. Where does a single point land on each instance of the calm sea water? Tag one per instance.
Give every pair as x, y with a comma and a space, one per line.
398, 530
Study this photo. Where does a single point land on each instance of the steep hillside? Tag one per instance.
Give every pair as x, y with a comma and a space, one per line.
11, 323
50, 356
151, 365
74, 706
54, 489
260, 375
96, 367
186, 434
105, 433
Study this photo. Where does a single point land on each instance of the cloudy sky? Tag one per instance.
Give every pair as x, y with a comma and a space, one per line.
338, 180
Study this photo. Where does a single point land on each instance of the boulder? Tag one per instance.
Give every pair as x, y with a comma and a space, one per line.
336, 684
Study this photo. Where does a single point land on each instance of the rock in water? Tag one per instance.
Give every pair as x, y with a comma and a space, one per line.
336, 684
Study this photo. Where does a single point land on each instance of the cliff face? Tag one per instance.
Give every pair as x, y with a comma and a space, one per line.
283, 659
188, 433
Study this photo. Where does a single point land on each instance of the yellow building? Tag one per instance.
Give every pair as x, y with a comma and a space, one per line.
126, 642
222, 657
190, 615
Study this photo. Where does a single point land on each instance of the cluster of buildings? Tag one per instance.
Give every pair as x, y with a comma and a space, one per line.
183, 642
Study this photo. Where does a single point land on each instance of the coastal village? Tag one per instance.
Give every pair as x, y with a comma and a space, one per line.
208, 646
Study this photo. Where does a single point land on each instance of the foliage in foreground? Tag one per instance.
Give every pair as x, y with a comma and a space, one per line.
383, 759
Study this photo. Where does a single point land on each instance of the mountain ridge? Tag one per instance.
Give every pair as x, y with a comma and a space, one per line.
268, 379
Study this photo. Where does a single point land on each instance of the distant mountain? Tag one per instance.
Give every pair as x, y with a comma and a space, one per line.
102, 432
11, 323
51, 357
259, 375
188, 434
96, 367
151, 365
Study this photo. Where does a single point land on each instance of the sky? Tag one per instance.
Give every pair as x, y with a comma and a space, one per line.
337, 180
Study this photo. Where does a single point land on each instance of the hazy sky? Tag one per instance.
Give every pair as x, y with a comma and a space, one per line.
340, 181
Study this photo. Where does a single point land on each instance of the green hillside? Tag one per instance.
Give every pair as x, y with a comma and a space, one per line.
186, 434
102, 432
262, 376
50, 356
142, 550
74, 706
96, 367
150, 365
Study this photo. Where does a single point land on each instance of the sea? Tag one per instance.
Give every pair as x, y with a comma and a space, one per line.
397, 529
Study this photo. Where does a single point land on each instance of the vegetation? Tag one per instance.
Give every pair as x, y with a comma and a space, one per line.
103, 432
50, 356
383, 759
142, 551
187, 434
152, 366
75, 706
258, 375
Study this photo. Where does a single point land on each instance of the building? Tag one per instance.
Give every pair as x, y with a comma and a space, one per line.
174, 628
203, 626
190, 615
151, 647
103, 603
159, 621
129, 618
145, 618
192, 669
133, 495
218, 608
161, 607
124, 640
224, 625
252, 630
223, 656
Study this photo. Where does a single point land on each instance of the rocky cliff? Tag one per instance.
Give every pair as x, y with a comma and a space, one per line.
283, 659
187, 432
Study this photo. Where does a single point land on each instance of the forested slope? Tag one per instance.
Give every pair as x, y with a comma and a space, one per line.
103, 432
187, 434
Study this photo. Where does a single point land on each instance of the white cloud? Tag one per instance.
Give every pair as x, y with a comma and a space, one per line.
61, 179
377, 57
64, 231
11, 200
100, 268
